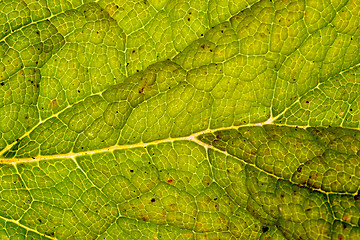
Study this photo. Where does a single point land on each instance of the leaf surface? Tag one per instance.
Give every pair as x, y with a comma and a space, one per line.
179, 119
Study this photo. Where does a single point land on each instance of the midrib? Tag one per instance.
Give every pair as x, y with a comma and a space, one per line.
191, 137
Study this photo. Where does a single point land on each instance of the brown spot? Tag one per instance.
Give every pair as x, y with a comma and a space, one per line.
169, 180
145, 87
50, 233
153, 200
307, 101
206, 181
203, 46
188, 19
144, 218
347, 218
54, 104
142, 90
311, 185
299, 169
357, 198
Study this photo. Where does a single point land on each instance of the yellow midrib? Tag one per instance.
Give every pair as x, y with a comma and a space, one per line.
191, 137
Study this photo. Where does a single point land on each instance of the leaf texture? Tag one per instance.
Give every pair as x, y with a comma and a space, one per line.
161, 119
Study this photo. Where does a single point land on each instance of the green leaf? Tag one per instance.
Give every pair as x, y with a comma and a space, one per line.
179, 119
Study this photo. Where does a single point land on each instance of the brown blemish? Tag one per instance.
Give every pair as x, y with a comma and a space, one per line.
142, 90
346, 218
54, 104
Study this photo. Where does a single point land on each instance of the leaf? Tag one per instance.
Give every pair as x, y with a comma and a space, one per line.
179, 119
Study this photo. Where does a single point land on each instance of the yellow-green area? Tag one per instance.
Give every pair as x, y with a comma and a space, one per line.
180, 119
